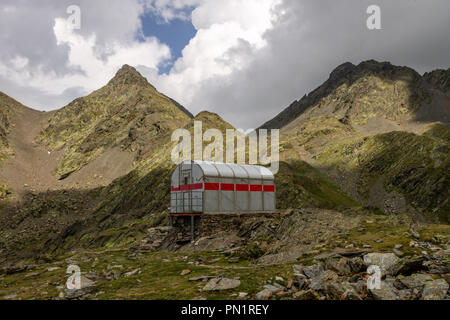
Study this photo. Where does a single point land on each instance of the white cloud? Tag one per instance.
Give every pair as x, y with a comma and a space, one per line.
229, 32
248, 60
248, 63
19, 62
92, 56
168, 10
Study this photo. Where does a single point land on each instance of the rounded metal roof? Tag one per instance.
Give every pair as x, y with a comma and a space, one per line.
232, 170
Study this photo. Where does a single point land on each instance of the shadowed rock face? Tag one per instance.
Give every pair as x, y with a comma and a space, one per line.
379, 131
440, 79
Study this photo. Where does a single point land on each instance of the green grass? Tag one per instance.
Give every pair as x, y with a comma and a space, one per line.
159, 278
301, 185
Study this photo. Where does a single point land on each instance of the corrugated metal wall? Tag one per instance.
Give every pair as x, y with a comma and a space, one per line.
207, 187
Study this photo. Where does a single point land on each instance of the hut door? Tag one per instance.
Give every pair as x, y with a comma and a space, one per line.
187, 194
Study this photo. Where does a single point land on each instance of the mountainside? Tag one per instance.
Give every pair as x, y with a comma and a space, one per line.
440, 79
373, 90
380, 132
128, 113
4, 129
117, 214
6, 106
363, 163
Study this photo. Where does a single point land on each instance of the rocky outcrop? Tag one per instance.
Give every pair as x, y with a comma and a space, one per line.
338, 277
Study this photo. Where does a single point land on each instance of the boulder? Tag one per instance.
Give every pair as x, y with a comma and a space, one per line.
407, 266
341, 266
416, 281
388, 291
386, 261
87, 286
435, 290
301, 281
264, 294
218, 284
316, 274
342, 291
313, 271
357, 265
274, 289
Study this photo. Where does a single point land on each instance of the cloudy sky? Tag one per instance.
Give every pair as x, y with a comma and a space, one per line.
244, 59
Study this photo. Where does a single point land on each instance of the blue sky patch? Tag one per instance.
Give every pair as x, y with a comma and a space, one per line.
176, 34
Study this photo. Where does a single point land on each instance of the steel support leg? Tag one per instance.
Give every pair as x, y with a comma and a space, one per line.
192, 227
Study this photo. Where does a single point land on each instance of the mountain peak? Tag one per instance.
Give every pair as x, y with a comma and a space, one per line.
128, 75
342, 70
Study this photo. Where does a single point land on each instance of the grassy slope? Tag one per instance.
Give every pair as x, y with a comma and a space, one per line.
329, 129
117, 214
7, 104
355, 93
128, 113
160, 271
417, 166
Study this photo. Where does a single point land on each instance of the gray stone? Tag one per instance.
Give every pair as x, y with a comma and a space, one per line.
416, 281
356, 264
407, 266
313, 271
414, 234
263, 295
386, 292
386, 261
218, 284
301, 281
435, 290
273, 289
87, 286
317, 283
341, 266
298, 268
50, 269
185, 272
132, 273
342, 291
